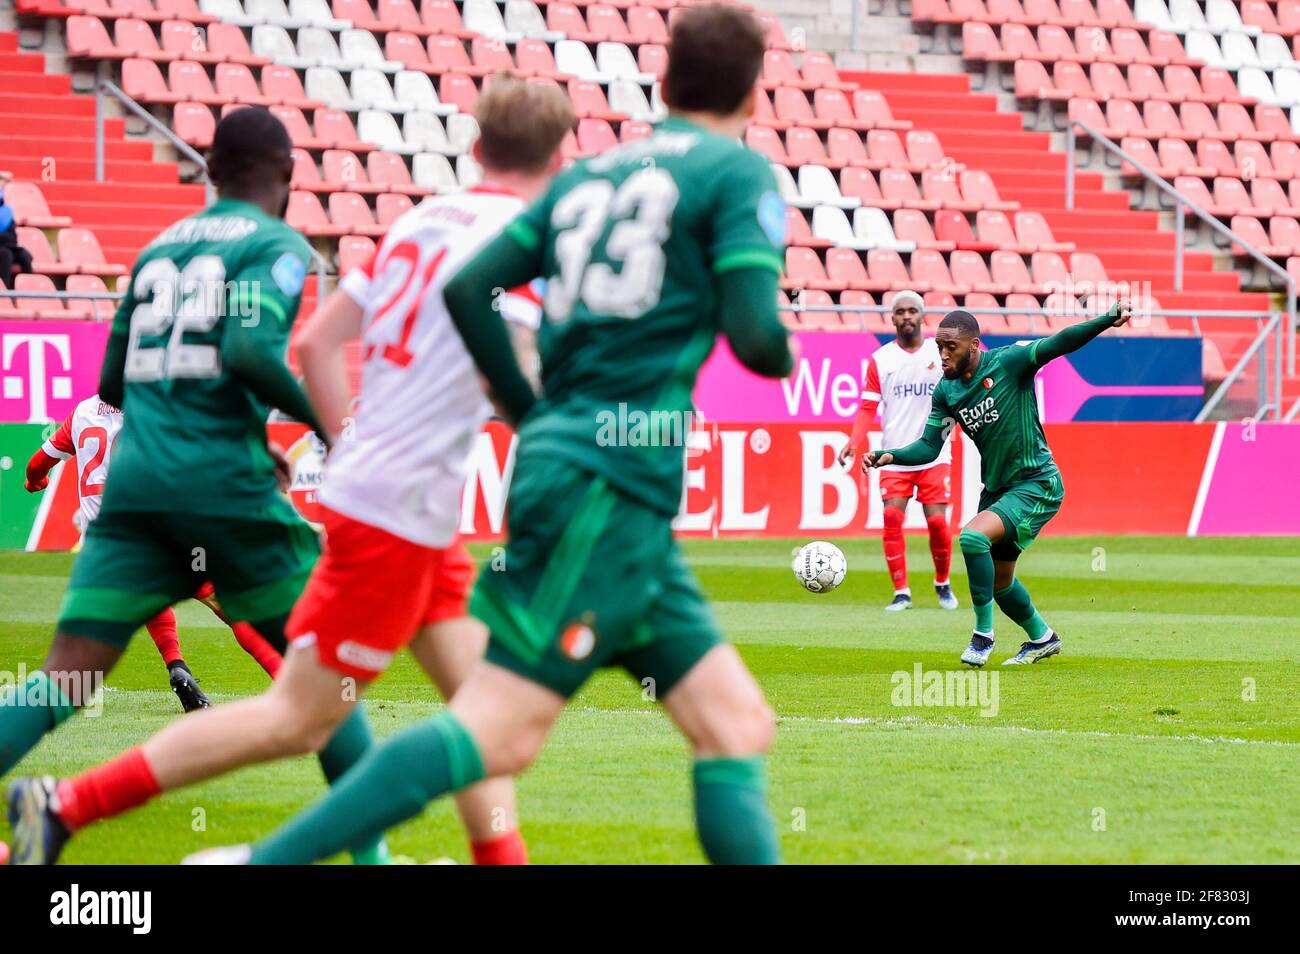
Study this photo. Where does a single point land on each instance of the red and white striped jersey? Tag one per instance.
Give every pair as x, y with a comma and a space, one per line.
400, 465
87, 434
902, 382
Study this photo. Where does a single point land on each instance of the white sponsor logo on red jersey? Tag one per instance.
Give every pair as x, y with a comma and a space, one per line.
88, 434
903, 381
401, 465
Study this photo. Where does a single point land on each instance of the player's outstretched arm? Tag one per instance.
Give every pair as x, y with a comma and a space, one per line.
58, 447
748, 316
471, 297
1076, 336
923, 450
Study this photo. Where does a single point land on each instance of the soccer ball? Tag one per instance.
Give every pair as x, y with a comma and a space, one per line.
820, 566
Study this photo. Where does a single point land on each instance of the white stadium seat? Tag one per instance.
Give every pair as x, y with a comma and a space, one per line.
424, 133
574, 57
830, 223
468, 172
360, 48
273, 12
230, 11
433, 171
627, 96
379, 127
872, 226
317, 13
325, 84
523, 18
483, 16
818, 185
370, 90
1221, 16
1187, 15
462, 130
616, 61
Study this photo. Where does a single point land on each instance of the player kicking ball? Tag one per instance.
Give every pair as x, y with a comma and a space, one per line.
392, 565
649, 250
87, 437
195, 359
900, 377
990, 394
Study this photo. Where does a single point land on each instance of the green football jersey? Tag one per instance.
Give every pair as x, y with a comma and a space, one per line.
193, 438
631, 242
999, 413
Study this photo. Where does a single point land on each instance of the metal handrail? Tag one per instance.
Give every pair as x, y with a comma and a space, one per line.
1265, 405
184, 148
1179, 202
1291, 414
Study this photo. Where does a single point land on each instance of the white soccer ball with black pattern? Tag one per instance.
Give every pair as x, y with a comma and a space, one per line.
820, 566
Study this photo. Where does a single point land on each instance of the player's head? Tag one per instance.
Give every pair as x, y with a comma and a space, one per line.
715, 55
521, 128
958, 339
252, 159
905, 308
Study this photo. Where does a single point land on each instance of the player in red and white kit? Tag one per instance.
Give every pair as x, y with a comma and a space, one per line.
392, 571
901, 375
88, 435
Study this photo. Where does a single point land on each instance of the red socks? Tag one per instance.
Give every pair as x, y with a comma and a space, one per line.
940, 546
508, 849
162, 630
263, 653
895, 548
106, 790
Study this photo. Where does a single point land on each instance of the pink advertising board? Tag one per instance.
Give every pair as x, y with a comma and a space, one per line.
46, 367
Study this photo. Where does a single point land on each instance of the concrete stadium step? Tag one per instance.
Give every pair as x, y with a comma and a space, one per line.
59, 127
908, 100
139, 150
1211, 301
1029, 160
1124, 239
1217, 282
93, 214
1055, 198
170, 194
888, 83
127, 240
8, 42
44, 84
115, 172
46, 105
1157, 261
1059, 217
22, 63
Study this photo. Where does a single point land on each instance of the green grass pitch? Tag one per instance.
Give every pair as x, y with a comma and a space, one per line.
1165, 732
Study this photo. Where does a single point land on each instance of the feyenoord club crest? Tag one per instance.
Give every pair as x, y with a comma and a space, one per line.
578, 640
988, 384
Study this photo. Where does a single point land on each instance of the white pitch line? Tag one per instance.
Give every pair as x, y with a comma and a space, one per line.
903, 722
1207, 477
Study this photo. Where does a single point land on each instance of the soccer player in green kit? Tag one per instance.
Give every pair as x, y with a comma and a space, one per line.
196, 358
649, 250
991, 395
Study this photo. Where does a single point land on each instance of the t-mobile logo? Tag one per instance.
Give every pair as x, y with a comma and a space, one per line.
17, 348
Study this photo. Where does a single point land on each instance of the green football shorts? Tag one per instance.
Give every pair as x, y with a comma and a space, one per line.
132, 565
589, 578
1024, 509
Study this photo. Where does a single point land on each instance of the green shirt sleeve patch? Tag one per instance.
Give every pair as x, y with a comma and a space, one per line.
749, 258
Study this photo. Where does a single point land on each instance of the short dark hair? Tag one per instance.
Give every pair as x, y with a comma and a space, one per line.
963, 321
249, 144
715, 54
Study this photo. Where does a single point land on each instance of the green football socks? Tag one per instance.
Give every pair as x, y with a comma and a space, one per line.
392, 783
975, 549
731, 813
1015, 602
27, 712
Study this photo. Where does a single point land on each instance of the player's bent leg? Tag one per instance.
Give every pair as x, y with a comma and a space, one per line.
495, 725
162, 630
1013, 599
446, 651
720, 708
936, 521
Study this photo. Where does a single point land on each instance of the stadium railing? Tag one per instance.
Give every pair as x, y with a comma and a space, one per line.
1181, 202
106, 86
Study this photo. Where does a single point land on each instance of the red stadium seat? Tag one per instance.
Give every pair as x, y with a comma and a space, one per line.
869, 106
819, 69
1250, 230
442, 16
1087, 267
860, 184
652, 58
354, 252
226, 41
952, 227
924, 150
1033, 232
341, 169
803, 269
44, 307
567, 19
305, 174
1048, 269
85, 307
888, 273
980, 43
606, 23
1008, 268
930, 271
911, 225
458, 90
389, 206
193, 123
589, 100
885, 149
1284, 231
798, 231
766, 142
447, 54
490, 55
135, 38
995, 232
406, 48
38, 246
87, 39
844, 147
940, 185
143, 82
804, 146
791, 106
235, 82
595, 136
646, 25
534, 58
361, 13
79, 250
390, 171
844, 268
978, 189
634, 130
969, 271
349, 211
190, 81
872, 321
899, 186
